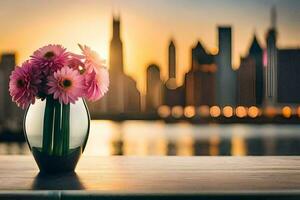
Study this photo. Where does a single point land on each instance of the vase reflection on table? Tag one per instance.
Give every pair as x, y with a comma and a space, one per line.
52, 86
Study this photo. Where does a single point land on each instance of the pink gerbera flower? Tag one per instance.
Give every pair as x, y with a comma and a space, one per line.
97, 84
66, 85
50, 58
24, 84
93, 62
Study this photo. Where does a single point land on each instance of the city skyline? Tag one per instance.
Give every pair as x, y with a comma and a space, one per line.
140, 29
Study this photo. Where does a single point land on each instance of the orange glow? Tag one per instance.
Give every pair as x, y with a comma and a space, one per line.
185, 145
203, 111
177, 111
241, 111
286, 112
253, 112
189, 111
270, 112
228, 111
215, 111
164, 111
214, 145
238, 146
298, 111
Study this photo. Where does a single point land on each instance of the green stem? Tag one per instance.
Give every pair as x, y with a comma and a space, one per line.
65, 128
57, 141
48, 126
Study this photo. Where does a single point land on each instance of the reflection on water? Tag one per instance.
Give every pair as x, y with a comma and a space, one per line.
158, 138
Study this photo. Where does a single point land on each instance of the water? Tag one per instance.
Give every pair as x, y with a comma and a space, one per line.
157, 138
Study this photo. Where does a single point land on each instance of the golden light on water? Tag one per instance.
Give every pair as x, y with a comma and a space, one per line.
214, 145
238, 146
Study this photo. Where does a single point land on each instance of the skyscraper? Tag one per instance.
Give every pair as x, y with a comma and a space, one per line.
256, 53
226, 78
173, 95
172, 60
246, 81
288, 76
115, 95
200, 80
154, 88
250, 77
123, 96
13, 115
271, 71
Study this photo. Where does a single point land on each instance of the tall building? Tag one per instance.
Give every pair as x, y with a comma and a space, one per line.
256, 52
123, 96
173, 95
271, 71
250, 77
116, 95
172, 60
226, 77
246, 82
2, 92
200, 80
288, 76
154, 88
12, 116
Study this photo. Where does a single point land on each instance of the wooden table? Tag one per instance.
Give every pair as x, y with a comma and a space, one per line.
121, 177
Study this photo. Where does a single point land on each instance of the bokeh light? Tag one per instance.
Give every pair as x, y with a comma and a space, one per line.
164, 111
189, 111
215, 111
203, 111
177, 111
286, 112
241, 111
253, 112
228, 111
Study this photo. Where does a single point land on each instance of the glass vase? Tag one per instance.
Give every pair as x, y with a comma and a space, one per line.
56, 133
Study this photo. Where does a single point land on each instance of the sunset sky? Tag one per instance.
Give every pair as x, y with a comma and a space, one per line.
146, 27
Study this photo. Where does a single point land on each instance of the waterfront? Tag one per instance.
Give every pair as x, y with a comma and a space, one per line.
139, 138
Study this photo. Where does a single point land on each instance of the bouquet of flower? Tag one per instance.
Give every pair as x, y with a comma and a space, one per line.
60, 78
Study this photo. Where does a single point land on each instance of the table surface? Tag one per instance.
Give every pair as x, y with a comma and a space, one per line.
158, 175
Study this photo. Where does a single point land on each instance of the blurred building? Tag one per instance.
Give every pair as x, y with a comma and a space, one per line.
271, 70
172, 60
288, 76
123, 96
226, 77
250, 76
256, 52
173, 94
10, 115
246, 82
200, 81
154, 88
